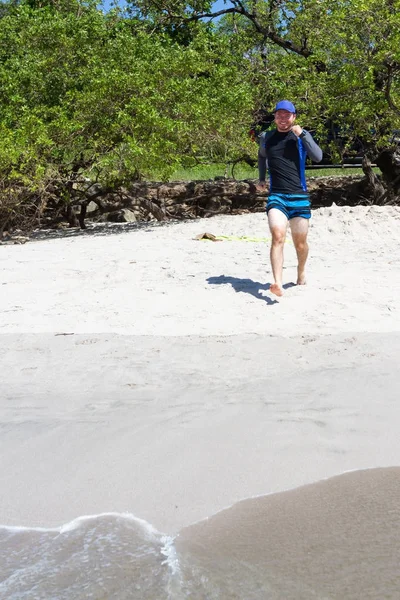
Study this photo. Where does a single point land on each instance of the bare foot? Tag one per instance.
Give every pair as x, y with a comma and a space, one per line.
276, 289
301, 279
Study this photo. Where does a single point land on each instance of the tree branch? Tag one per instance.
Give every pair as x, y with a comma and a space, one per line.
266, 32
389, 80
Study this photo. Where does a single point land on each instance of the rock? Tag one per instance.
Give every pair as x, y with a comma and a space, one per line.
175, 190
91, 207
124, 215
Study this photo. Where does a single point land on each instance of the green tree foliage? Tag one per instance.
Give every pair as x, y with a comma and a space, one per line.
340, 61
100, 95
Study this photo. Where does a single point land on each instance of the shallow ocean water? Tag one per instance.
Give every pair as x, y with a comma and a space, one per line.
335, 539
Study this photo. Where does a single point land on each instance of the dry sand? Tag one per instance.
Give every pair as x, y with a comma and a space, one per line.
148, 372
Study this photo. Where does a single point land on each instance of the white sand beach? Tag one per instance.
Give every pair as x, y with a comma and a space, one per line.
144, 371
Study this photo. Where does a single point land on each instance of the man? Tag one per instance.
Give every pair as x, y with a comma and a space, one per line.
283, 152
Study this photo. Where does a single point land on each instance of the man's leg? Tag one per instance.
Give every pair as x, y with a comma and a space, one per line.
277, 221
299, 229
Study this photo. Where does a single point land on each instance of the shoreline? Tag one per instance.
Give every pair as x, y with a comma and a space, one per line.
76, 521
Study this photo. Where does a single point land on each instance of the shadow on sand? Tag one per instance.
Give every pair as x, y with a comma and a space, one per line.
248, 286
99, 229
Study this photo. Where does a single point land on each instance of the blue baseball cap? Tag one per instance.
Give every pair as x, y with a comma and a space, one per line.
285, 105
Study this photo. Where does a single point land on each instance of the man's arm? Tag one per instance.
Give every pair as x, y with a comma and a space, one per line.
311, 146
262, 160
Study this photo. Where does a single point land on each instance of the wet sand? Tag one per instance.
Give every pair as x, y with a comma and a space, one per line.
334, 539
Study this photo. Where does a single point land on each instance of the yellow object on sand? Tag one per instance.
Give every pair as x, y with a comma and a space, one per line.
242, 238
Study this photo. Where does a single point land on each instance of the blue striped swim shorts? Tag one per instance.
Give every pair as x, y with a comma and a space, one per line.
292, 205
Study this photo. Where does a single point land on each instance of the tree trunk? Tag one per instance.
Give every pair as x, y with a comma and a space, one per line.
388, 162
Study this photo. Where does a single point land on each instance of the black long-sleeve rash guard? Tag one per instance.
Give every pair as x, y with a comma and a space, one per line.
284, 154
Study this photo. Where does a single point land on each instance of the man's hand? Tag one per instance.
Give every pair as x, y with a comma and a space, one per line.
297, 130
260, 187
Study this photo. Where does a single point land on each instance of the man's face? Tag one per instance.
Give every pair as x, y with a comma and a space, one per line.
284, 120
